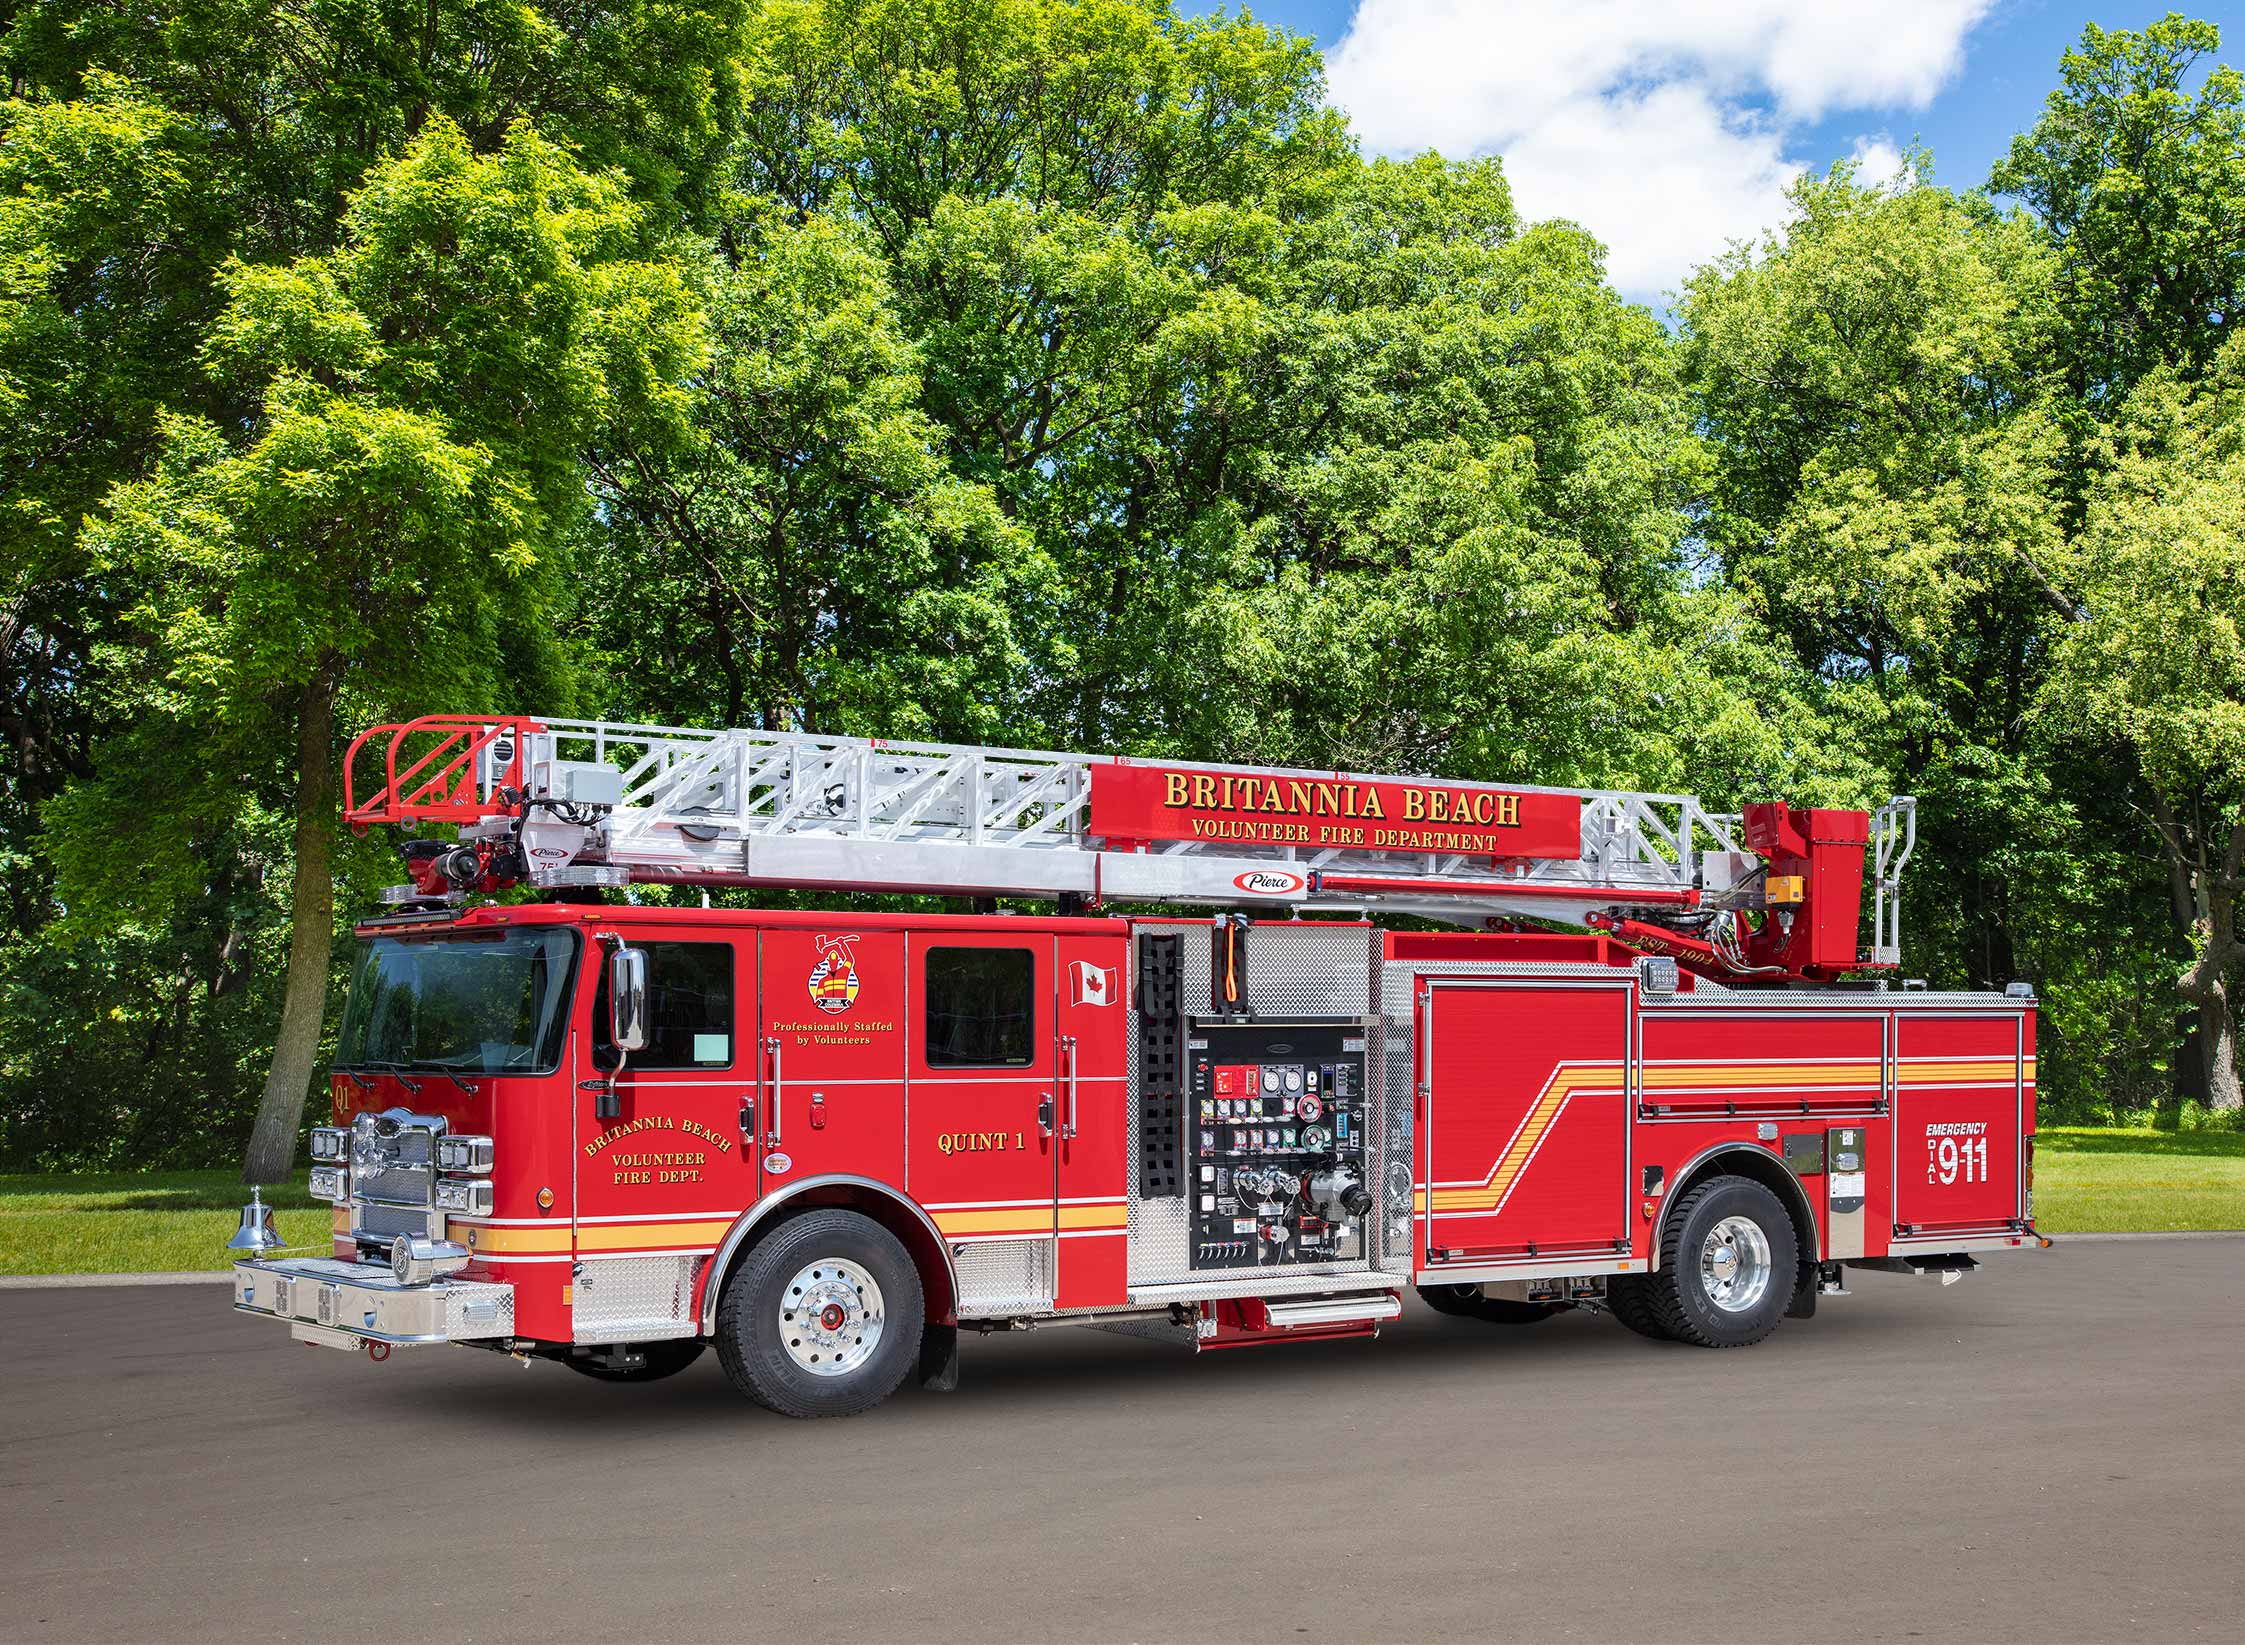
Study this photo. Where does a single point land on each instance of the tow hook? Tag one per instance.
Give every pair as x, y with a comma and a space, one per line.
377, 1351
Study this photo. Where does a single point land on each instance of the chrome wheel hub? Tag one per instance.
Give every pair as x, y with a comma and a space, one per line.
1734, 1264
831, 1317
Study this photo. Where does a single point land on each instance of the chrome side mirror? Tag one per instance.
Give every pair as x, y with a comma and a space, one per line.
627, 999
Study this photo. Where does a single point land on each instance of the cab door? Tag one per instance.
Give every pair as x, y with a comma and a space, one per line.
830, 1027
668, 1172
986, 1108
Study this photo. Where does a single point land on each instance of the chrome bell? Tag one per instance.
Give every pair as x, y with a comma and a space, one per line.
256, 1235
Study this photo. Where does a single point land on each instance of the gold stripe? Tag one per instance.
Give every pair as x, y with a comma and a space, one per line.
1030, 1219
641, 1236
498, 1241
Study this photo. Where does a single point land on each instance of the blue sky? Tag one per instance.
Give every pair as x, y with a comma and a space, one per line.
1669, 127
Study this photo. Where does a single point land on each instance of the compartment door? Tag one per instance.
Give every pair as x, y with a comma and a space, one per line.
1094, 1016
1526, 1135
1959, 1112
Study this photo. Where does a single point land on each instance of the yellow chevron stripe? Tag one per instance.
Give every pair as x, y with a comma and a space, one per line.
1566, 1081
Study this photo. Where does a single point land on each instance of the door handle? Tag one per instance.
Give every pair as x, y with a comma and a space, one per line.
748, 1120
1068, 1047
1044, 1114
772, 1048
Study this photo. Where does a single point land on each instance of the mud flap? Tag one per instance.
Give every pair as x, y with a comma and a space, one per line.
939, 1358
1803, 1305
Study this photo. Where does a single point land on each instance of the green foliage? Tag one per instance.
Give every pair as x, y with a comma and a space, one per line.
1059, 372
2139, 185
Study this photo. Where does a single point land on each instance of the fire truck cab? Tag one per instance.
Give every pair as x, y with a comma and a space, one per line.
611, 1134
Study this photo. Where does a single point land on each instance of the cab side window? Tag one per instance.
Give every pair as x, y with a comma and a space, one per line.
689, 1008
981, 1007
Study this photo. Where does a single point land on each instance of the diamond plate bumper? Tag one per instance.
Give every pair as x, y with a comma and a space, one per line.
341, 1304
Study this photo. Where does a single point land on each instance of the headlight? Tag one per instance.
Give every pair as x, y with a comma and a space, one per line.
471, 1198
330, 1142
472, 1155
331, 1182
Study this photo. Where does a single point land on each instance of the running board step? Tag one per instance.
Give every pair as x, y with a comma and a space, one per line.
1374, 1309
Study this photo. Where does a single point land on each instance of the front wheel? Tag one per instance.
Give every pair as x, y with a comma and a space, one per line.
1727, 1262
822, 1318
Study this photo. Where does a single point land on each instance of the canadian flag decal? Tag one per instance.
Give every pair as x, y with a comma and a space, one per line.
1090, 984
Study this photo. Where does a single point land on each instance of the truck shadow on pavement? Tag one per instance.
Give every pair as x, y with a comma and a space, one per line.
1055, 1367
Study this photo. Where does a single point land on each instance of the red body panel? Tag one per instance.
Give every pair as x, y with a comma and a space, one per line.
1741, 1059
1958, 1120
1526, 1126
1555, 1114
1094, 1012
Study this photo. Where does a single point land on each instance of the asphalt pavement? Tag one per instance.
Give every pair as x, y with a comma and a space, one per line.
2051, 1450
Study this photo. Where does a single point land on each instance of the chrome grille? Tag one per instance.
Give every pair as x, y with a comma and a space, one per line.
393, 1175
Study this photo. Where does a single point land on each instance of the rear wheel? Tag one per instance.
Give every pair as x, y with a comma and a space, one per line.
656, 1361
1467, 1302
822, 1318
1727, 1263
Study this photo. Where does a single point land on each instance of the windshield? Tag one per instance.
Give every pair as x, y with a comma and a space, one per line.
491, 1005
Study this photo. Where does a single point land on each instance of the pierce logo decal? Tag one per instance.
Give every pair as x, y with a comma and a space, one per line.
1269, 882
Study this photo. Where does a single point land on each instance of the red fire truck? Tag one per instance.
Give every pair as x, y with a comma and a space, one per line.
1627, 1055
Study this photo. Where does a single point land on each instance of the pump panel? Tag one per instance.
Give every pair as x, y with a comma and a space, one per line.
1277, 1121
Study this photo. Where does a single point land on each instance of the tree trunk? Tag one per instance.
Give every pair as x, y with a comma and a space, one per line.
2214, 888
2219, 1041
311, 942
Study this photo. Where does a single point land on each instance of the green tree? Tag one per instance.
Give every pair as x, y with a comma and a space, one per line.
389, 529
790, 549
2158, 666
2140, 185
1882, 388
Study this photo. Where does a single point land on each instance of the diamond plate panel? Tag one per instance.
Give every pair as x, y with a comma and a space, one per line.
1004, 1276
1303, 970
634, 1299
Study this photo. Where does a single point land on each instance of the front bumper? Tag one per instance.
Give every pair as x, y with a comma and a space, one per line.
344, 1304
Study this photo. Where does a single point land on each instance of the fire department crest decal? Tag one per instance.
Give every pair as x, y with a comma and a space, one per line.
834, 976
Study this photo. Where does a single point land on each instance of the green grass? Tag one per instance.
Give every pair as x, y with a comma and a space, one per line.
2085, 1179
140, 1222
2138, 1181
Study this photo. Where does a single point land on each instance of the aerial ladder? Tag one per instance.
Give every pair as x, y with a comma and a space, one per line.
1772, 893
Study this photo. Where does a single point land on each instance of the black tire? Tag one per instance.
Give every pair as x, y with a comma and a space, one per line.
1683, 1294
663, 1359
1467, 1302
1629, 1299
768, 1364
1454, 1301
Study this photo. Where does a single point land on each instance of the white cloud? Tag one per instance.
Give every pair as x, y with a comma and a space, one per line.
1660, 125
1877, 161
